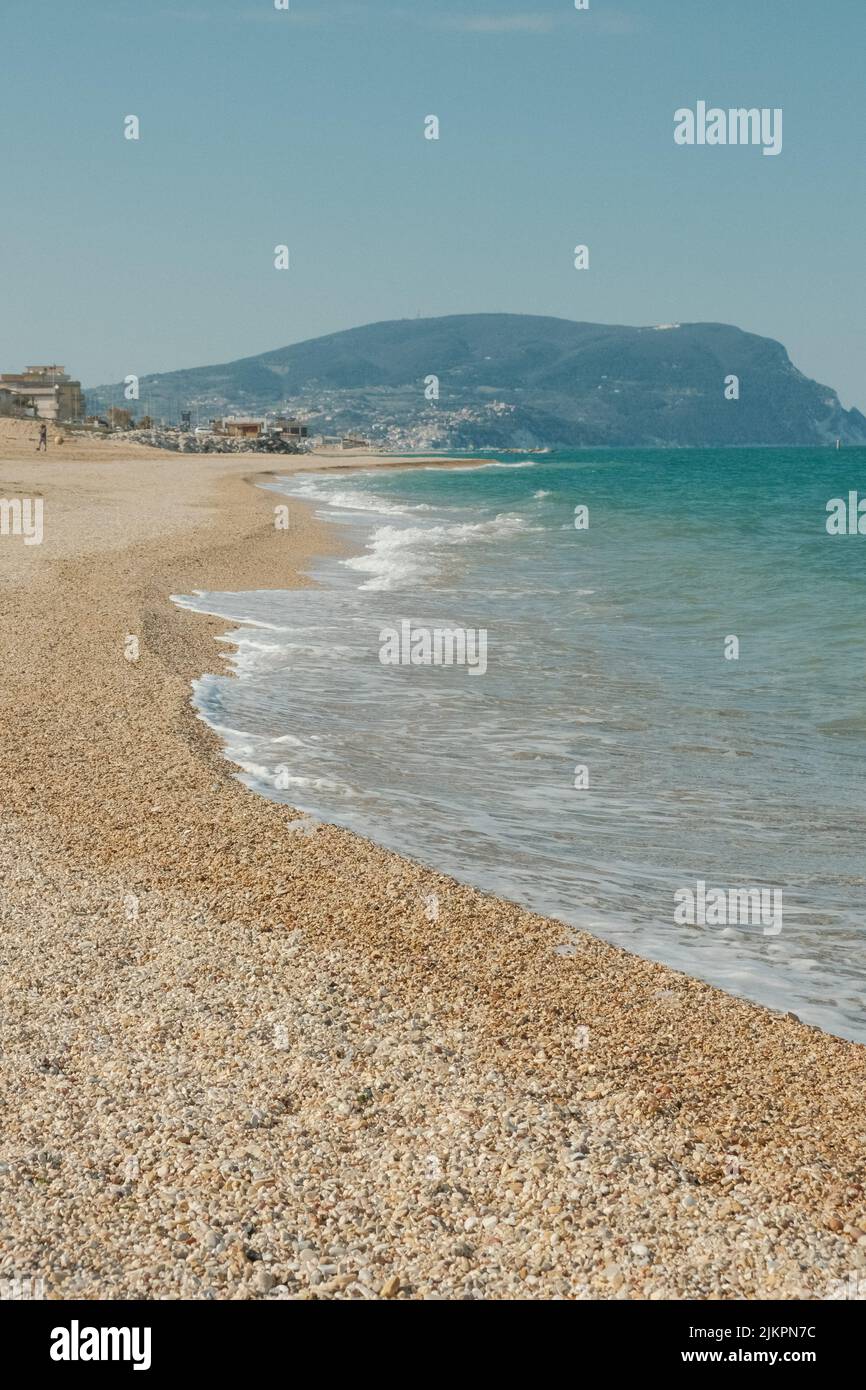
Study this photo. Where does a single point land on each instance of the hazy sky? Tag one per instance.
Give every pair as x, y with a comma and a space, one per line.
306, 127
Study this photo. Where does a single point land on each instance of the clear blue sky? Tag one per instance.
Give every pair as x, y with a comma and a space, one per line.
261, 127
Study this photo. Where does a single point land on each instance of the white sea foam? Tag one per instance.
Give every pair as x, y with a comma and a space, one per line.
291, 781
250, 644
399, 555
322, 783
348, 499
479, 467
200, 601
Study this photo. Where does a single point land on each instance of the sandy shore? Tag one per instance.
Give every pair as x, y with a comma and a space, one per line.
238, 1060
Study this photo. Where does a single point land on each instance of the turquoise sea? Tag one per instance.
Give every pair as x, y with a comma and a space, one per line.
605, 664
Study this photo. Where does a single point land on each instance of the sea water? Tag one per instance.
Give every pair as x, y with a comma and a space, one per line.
619, 747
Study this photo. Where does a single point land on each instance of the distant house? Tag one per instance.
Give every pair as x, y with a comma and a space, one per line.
47, 392
290, 427
119, 419
353, 441
243, 427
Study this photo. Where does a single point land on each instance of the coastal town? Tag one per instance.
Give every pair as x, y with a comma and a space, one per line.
213, 421
44, 393
48, 393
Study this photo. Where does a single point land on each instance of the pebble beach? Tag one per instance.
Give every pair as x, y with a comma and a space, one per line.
241, 1058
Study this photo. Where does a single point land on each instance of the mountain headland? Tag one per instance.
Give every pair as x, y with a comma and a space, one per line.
521, 381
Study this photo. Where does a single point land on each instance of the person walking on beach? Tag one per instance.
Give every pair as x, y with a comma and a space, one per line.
42, 446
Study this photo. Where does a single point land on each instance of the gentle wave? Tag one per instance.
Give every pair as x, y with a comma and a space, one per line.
343, 498
398, 556
480, 467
